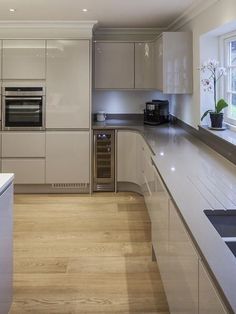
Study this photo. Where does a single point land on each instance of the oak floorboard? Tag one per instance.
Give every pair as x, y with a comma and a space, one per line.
84, 254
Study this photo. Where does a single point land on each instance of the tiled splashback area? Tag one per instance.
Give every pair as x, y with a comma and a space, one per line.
123, 101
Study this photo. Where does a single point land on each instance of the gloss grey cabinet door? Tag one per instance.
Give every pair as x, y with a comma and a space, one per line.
6, 246
145, 65
209, 300
68, 84
23, 59
114, 65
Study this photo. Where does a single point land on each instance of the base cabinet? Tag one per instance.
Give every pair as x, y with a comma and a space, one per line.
67, 157
6, 247
209, 301
26, 170
126, 157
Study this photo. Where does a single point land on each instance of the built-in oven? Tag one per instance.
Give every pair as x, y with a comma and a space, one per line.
23, 108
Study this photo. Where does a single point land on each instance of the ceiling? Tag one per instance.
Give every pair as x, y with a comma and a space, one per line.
109, 13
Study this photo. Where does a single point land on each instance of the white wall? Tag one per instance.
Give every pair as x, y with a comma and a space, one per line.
214, 21
123, 101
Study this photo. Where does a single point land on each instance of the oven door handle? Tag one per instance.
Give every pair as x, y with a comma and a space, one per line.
23, 98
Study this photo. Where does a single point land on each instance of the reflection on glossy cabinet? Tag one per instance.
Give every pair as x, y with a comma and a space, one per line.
23, 59
114, 65
160, 225
174, 63
6, 249
67, 157
145, 70
68, 84
209, 301
182, 287
126, 156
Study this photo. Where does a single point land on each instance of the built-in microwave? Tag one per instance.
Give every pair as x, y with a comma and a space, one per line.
23, 108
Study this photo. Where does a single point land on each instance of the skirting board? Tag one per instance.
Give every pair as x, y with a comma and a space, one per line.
46, 189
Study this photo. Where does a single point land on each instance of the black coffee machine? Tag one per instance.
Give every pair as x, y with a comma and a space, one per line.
156, 112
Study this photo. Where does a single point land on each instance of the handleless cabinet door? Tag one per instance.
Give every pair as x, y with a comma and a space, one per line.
145, 69
209, 300
114, 65
68, 84
182, 288
126, 157
6, 249
23, 59
159, 63
67, 157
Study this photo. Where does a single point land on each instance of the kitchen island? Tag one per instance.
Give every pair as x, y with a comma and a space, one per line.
196, 178
6, 241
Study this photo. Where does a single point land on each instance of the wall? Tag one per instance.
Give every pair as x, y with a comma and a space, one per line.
214, 21
123, 101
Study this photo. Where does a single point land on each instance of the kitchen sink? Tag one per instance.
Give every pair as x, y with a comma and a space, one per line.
224, 222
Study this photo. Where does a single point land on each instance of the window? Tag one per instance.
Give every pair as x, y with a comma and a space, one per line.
230, 82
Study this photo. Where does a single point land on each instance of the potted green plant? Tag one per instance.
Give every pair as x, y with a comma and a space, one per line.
215, 73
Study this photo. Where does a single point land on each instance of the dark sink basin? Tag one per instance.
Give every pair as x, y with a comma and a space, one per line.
224, 221
232, 246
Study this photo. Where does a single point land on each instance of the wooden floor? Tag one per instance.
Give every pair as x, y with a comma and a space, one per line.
84, 254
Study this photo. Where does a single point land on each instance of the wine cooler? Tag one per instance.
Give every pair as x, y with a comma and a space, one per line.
104, 160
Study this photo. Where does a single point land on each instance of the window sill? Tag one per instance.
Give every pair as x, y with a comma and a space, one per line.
228, 135
223, 142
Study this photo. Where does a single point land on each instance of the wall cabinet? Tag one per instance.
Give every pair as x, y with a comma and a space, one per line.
68, 84
114, 65
23, 59
67, 157
174, 63
6, 249
209, 301
145, 70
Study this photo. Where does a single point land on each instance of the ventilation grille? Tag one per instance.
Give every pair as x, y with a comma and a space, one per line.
80, 186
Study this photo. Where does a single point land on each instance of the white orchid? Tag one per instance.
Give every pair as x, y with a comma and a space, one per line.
215, 72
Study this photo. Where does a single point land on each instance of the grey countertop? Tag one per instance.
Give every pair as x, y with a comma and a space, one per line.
197, 178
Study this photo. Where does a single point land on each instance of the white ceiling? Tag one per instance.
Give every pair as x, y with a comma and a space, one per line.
109, 13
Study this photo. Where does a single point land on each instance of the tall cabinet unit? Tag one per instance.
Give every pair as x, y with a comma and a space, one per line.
68, 84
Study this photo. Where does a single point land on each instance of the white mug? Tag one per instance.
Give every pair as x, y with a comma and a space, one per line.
101, 116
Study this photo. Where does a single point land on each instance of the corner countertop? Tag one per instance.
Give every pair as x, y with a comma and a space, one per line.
197, 178
5, 180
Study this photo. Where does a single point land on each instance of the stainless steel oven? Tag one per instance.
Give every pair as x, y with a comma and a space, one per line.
23, 108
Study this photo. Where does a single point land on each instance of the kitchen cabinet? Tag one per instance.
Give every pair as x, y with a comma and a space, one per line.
126, 156
182, 281
145, 69
209, 300
114, 65
174, 68
67, 157
23, 144
6, 249
23, 59
26, 170
68, 84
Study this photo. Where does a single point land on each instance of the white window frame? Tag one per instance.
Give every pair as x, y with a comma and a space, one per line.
226, 87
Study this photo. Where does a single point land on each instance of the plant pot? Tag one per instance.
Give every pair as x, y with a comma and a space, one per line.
216, 120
